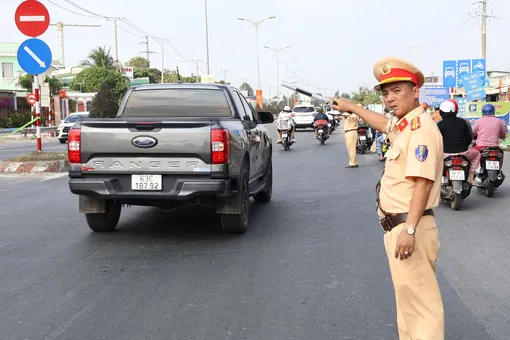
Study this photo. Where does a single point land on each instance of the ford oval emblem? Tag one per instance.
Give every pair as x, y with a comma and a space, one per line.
144, 142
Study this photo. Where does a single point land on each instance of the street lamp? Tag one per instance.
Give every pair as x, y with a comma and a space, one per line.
256, 24
277, 50
288, 63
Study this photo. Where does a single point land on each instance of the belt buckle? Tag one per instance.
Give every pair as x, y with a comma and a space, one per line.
380, 224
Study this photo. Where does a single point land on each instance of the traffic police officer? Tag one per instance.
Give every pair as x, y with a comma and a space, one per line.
406, 195
351, 125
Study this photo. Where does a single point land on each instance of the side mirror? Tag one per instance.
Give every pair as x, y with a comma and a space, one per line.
265, 117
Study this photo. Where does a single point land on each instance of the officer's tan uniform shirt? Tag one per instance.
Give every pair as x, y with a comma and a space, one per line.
413, 153
351, 122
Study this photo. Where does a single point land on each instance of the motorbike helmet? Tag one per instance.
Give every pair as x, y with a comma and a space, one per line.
448, 108
488, 110
436, 107
287, 109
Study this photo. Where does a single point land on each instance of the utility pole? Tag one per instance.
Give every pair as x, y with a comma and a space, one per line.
147, 51
207, 39
197, 61
162, 60
417, 47
224, 75
60, 38
116, 40
483, 26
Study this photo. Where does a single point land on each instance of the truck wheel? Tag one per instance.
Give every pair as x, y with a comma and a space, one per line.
265, 196
62, 140
238, 223
107, 221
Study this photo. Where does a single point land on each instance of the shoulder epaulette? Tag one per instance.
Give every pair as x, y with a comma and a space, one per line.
415, 123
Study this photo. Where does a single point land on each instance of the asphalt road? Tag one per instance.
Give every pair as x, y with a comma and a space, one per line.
12, 148
312, 265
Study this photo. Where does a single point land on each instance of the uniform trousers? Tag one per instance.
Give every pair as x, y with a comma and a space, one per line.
420, 313
351, 139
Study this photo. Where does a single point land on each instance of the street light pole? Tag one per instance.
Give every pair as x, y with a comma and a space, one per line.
277, 50
206, 39
256, 24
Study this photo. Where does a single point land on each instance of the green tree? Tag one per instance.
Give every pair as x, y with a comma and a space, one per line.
365, 96
91, 79
345, 95
25, 81
246, 87
99, 57
105, 103
139, 62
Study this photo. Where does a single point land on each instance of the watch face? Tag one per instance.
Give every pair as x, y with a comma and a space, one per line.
410, 231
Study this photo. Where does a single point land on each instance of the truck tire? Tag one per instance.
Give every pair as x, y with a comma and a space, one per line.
267, 193
107, 221
238, 223
62, 140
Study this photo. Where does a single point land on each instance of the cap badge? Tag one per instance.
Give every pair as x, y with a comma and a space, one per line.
385, 69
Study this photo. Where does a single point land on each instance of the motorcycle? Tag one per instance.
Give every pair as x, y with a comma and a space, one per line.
285, 127
363, 140
321, 126
454, 185
489, 175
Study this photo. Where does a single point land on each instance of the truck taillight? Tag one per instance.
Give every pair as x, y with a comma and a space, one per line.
74, 146
220, 146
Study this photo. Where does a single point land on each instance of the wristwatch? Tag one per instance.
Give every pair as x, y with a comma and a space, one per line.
409, 230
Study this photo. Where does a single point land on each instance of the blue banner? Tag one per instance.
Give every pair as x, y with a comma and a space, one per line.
474, 86
433, 95
450, 73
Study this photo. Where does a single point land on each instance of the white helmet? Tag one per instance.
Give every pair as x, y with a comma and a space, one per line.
287, 108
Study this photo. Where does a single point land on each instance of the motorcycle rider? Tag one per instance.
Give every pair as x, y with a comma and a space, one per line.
457, 137
286, 115
488, 129
320, 116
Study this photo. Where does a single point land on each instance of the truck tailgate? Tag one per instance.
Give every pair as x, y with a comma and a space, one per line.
110, 146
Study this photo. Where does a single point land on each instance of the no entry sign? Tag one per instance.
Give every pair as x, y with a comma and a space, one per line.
31, 99
32, 18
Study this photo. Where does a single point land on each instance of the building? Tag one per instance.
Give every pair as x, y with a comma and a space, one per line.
10, 72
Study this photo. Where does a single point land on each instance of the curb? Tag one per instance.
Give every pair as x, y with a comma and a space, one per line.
33, 167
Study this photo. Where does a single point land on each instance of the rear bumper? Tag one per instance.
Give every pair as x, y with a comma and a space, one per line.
176, 189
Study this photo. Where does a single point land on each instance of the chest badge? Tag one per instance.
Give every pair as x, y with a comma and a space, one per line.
421, 152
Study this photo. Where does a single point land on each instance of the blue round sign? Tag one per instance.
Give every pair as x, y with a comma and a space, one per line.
34, 56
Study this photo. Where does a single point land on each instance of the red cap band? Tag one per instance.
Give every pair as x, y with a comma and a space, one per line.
399, 75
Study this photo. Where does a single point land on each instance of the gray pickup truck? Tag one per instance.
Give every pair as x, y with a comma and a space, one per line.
173, 144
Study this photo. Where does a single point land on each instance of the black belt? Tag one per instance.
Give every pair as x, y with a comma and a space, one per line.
351, 130
390, 221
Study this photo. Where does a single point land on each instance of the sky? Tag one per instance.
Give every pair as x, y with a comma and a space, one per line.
336, 42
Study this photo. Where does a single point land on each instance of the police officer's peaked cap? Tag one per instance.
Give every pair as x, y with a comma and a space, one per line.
392, 70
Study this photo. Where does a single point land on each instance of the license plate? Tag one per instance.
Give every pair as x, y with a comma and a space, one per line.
444, 180
457, 175
284, 135
321, 130
362, 138
492, 165
146, 182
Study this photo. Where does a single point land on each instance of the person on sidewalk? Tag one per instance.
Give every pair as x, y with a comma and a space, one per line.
457, 137
407, 193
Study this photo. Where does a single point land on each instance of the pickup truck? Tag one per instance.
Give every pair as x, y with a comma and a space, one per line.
173, 144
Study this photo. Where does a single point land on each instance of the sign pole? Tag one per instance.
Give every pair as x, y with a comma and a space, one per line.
37, 113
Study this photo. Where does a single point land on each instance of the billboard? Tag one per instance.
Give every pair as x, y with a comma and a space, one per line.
433, 95
474, 111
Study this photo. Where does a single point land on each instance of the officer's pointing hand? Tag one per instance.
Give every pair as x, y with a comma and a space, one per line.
343, 105
405, 245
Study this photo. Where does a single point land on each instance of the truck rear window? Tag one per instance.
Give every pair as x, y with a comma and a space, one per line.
304, 109
177, 103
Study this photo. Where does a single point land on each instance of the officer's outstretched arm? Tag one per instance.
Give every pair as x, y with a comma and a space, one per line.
374, 119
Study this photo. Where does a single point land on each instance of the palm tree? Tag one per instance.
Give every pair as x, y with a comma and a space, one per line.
100, 57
